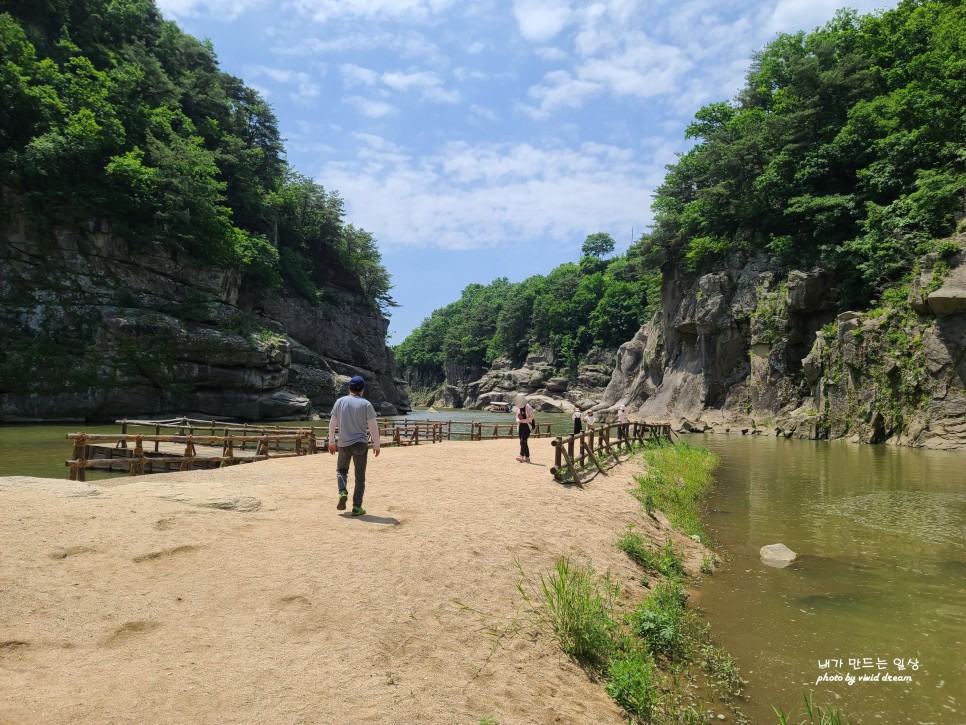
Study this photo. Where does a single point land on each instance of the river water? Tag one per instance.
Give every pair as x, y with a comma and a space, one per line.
881, 534
879, 591
40, 450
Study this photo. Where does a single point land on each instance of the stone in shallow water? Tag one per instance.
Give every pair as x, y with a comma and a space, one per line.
777, 555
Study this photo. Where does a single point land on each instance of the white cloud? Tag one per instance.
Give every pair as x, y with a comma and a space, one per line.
484, 113
793, 14
428, 84
406, 44
559, 90
551, 55
354, 75
305, 87
476, 196
326, 10
227, 10
370, 108
540, 20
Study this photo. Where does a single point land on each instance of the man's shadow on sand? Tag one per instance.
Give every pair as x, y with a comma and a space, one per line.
387, 520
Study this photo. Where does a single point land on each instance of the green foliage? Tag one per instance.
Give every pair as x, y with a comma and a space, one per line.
678, 476
663, 623
815, 714
845, 148
597, 245
632, 683
572, 310
111, 112
768, 318
578, 606
722, 670
663, 562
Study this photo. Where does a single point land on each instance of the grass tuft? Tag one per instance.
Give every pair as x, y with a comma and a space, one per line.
678, 476
578, 606
816, 714
722, 670
663, 622
632, 683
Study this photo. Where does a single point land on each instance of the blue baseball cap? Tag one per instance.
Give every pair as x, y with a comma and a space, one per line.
357, 383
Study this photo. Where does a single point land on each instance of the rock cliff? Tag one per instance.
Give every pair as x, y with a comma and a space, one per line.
94, 329
759, 348
539, 378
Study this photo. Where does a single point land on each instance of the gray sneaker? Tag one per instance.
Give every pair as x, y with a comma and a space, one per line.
343, 497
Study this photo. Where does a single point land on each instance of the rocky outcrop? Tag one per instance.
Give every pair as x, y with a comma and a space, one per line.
95, 328
756, 348
547, 388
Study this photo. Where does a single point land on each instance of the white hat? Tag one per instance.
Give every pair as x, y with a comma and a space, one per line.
521, 400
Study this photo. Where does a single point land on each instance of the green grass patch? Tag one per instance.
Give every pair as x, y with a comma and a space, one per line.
647, 657
663, 622
814, 714
632, 682
722, 671
578, 606
664, 561
678, 476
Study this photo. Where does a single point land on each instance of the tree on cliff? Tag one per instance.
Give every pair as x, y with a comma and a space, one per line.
569, 311
598, 245
846, 148
111, 112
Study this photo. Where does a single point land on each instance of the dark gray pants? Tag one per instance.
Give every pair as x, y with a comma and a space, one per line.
359, 453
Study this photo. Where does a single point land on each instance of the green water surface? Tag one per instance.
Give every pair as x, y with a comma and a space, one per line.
881, 534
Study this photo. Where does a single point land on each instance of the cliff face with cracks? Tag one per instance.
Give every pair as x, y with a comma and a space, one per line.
758, 348
539, 378
94, 329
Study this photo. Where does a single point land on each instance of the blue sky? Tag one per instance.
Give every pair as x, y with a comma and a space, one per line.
487, 138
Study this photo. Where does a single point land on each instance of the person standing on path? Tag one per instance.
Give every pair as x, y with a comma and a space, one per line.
622, 423
577, 425
524, 425
355, 420
591, 419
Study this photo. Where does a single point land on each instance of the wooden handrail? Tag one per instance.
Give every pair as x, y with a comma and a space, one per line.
595, 442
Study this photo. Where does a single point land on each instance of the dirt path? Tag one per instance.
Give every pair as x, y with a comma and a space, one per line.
242, 595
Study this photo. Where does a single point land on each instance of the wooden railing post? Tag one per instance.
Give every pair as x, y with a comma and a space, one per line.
137, 458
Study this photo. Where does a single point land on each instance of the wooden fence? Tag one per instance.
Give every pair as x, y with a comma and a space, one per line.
95, 450
450, 430
185, 443
596, 446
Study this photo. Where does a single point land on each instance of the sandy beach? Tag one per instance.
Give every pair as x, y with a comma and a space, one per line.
242, 595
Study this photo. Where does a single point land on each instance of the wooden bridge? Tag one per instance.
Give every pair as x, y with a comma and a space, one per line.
183, 444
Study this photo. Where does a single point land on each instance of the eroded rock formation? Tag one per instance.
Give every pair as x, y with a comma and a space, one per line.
756, 348
94, 329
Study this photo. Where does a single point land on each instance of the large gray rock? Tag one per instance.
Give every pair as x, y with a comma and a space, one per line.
777, 555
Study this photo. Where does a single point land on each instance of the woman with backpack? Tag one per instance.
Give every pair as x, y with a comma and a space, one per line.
524, 415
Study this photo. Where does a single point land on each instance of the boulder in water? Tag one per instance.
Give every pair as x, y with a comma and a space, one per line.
777, 555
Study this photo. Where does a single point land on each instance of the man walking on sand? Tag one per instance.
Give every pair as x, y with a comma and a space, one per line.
353, 417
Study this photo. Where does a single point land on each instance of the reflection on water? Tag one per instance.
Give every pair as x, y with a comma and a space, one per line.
880, 579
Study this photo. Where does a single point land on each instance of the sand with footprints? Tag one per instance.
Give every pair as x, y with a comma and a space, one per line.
242, 595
